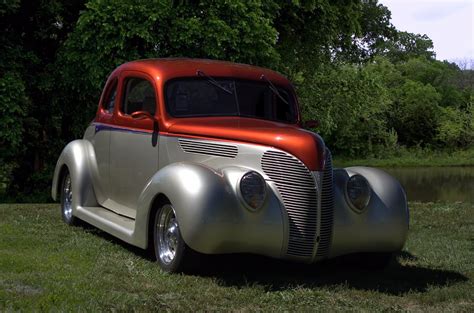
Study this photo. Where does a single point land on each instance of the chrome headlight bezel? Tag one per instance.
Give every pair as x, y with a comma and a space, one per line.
252, 190
358, 193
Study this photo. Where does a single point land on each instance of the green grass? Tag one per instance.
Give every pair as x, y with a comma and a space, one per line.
413, 157
46, 265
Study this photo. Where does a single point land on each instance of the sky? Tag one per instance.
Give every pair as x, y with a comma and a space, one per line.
449, 23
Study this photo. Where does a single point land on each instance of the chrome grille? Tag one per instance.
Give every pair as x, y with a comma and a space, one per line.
327, 209
298, 190
201, 147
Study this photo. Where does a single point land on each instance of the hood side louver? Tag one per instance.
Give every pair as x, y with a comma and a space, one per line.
207, 148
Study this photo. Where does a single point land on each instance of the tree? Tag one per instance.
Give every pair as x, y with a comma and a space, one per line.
375, 33
415, 112
312, 33
31, 34
407, 45
350, 102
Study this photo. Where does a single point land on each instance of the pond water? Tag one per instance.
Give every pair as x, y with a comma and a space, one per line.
428, 184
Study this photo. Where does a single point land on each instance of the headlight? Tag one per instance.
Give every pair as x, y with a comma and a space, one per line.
358, 192
253, 189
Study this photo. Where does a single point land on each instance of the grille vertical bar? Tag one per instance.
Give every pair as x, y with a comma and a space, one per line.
298, 190
327, 209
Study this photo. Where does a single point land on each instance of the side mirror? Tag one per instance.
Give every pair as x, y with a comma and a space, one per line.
140, 115
311, 124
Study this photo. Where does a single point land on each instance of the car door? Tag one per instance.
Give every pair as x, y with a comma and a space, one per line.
101, 140
134, 147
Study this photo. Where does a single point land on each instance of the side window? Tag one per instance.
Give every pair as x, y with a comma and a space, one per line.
109, 100
139, 96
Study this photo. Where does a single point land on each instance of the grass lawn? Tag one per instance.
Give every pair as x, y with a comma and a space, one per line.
46, 265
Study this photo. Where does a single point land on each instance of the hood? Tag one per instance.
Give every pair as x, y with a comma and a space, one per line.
305, 145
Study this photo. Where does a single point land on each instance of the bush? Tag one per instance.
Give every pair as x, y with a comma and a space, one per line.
452, 126
415, 113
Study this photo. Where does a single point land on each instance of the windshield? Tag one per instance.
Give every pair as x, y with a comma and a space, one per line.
193, 97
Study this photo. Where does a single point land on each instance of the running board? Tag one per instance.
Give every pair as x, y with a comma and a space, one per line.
117, 225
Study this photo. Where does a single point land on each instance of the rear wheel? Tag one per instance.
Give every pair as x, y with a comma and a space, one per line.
171, 251
66, 200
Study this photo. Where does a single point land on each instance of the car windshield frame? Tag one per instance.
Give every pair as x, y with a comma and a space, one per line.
292, 102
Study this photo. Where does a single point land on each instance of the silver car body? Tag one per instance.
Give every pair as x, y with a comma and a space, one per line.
203, 188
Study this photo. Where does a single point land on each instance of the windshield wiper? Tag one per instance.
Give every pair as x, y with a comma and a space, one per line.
213, 81
273, 89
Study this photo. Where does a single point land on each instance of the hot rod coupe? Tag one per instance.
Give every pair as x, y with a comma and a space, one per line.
189, 157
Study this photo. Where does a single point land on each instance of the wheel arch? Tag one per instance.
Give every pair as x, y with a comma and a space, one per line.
76, 158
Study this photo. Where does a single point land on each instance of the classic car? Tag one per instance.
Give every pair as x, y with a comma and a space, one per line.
189, 157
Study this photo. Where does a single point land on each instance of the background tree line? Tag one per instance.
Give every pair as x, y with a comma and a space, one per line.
375, 89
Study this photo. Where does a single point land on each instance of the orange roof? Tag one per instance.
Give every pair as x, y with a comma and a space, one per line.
181, 67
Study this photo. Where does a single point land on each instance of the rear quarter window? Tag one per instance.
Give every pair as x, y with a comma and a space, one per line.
139, 96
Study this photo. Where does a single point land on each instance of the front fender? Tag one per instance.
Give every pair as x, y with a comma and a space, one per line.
211, 216
382, 227
75, 158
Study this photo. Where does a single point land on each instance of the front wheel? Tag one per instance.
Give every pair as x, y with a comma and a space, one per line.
66, 200
171, 251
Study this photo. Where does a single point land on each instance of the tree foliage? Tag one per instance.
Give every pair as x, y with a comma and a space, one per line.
107, 35
350, 103
413, 103
405, 46
373, 87
415, 112
32, 32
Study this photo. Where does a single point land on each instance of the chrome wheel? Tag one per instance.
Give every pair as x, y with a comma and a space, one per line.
67, 198
168, 234
171, 252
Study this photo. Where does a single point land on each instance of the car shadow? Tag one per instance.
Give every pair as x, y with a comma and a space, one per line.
276, 275
244, 270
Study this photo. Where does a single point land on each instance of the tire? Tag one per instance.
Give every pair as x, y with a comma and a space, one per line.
171, 252
66, 200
